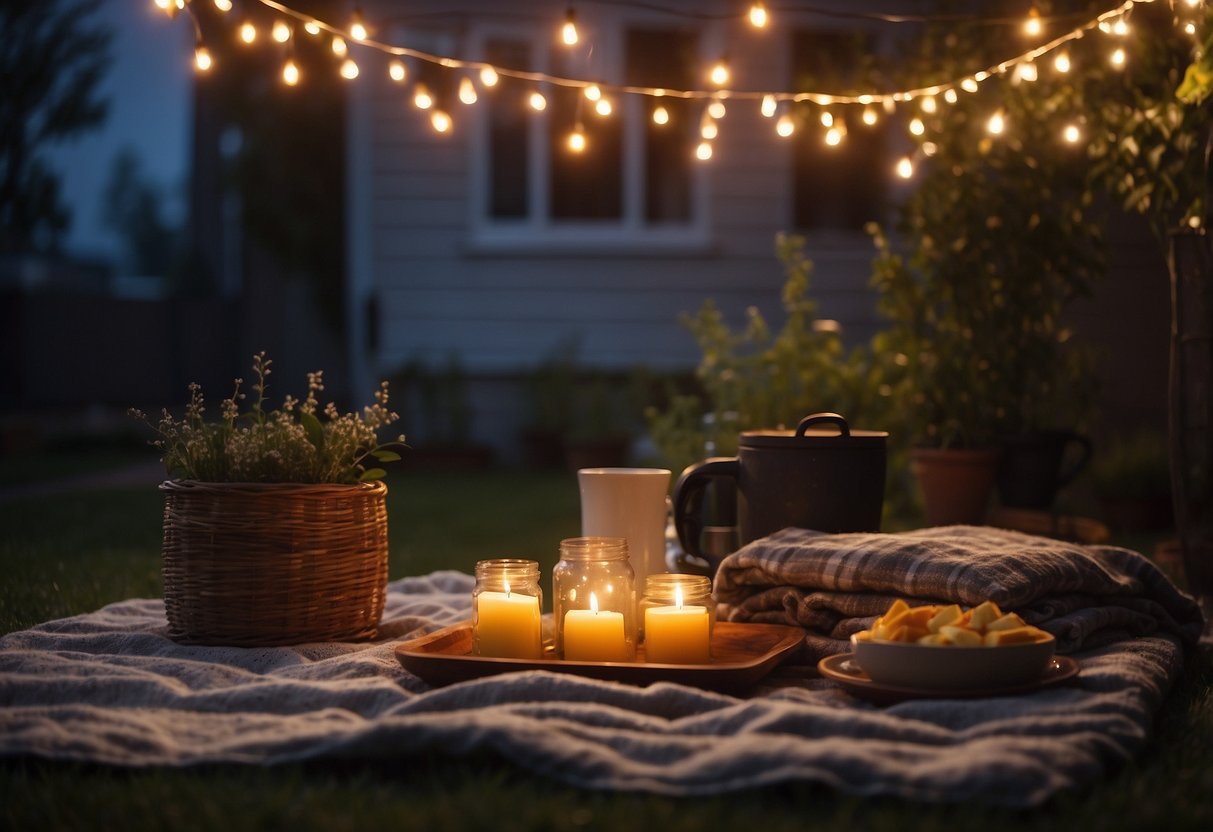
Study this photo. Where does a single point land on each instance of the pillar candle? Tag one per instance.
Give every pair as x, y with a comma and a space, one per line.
593, 635
677, 634
508, 625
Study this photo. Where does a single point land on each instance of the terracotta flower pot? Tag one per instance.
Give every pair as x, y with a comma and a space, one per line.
956, 483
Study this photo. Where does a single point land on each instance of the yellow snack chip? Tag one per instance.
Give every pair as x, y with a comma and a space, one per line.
1020, 635
960, 636
983, 614
1010, 621
940, 624
950, 614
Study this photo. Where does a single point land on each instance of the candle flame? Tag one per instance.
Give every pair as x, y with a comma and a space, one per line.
594, 603
678, 597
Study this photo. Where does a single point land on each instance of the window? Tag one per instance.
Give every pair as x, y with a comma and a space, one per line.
636, 182
836, 188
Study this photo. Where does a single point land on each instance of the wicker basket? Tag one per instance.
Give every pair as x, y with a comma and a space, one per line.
263, 564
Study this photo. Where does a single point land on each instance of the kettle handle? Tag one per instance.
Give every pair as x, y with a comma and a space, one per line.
686, 498
822, 418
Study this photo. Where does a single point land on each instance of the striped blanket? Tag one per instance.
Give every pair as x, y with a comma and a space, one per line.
835, 585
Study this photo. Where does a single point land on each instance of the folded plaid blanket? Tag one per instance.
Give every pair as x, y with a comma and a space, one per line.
835, 585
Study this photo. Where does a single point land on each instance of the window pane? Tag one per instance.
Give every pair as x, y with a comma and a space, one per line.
665, 58
586, 185
844, 186
508, 170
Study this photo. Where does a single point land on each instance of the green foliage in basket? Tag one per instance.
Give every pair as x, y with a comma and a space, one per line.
297, 442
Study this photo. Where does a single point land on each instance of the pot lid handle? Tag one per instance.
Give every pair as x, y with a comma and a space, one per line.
820, 418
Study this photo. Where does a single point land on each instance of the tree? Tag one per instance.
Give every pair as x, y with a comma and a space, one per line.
52, 60
133, 208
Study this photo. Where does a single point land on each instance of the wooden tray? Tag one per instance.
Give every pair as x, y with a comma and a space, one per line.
741, 655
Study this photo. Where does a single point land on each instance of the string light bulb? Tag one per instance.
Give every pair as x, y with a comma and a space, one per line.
247, 32
785, 127
1071, 133
312, 28
708, 128
281, 33
969, 85
1026, 71
833, 137
440, 121
422, 99
290, 73
661, 115
577, 141
717, 109
1118, 57
538, 102
905, 168
996, 124
224, 6
467, 91
593, 92
758, 16
704, 151
1120, 28
1190, 28
349, 69
339, 47
929, 104
604, 107
917, 127
202, 59
1062, 62
358, 30
827, 118
869, 116
163, 5
1033, 26
950, 96
719, 73
768, 106
488, 76
397, 71
568, 32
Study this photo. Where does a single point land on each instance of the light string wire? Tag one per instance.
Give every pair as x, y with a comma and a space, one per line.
817, 97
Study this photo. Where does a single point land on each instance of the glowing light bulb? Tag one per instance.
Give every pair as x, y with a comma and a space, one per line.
929, 148
358, 30
349, 69
290, 73
917, 127
1033, 26
758, 16
1071, 133
929, 105
339, 47
163, 5
422, 99
827, 119
1190, 28
996, 124
538, 102
1118, 57
708, 129
905, 168
467, 91
604, 107
704, 151
488, 76
312, 28
869, 116
719, 74
1193, 3
396, 71
248, 32
950, 96
717, 109
969, 85
1026, 71
440, 121
577, 141
223, 5
1120, 27
593, 92
202, 59
785, 126
768, 106
661, 115
1062, 62
833, 137
568, 32
281, 33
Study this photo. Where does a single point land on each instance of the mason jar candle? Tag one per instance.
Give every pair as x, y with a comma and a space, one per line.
506, 607
594, 600
678, 616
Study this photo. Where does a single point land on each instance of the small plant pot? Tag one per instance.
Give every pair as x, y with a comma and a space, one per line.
956, 483
252, 565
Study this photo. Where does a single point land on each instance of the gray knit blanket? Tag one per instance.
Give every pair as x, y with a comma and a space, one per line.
109, 687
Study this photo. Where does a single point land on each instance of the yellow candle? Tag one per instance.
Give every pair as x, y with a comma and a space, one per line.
508, 625
594, 636
677, 634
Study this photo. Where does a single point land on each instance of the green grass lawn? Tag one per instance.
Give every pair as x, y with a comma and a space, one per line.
73, 553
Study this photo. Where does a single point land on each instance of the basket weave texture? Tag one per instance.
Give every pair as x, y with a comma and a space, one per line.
253, 564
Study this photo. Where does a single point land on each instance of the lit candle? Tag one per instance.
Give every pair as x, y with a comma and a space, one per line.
593, 636
677, 634
508, 625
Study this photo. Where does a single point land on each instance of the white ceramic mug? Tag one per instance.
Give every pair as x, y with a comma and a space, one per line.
628, 503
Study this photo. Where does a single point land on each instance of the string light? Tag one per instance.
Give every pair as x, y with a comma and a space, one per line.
1118, 57
1120, 28
768, 106
1026, 72
339, 47
248, 32
604, 107
905, 168
396, 70
704, 151
202, 59
467, 91
785, 127
440, 121
577, 141
422, 99
661, 115
312, 28
869, 116
1033, 26
969, 84
833, 137
281, 33
996, 124
929, 104
358, 31
717, 109
719, 73
758, 16
290, 73
224, 6
950, 96
1071, 133
349, 69
488, 76
568, 32
708, 128
827, 118
1062, 62
917, 127
538, 102
593, 92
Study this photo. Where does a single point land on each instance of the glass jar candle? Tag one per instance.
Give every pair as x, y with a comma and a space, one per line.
594, 600
678, 615
506, 607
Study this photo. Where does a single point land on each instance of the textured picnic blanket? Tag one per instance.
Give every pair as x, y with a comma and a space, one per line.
110, 687
835, 585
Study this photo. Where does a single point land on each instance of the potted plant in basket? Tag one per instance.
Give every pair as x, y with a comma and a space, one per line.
275, 524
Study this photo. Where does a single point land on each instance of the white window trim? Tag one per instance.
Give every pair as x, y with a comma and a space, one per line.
538, 233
